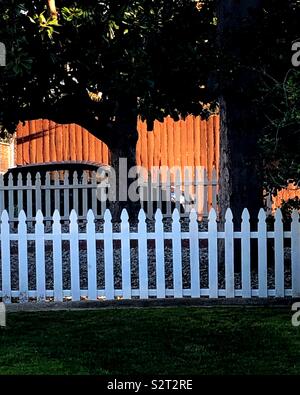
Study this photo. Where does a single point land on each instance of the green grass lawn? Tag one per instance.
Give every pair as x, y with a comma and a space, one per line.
231, 340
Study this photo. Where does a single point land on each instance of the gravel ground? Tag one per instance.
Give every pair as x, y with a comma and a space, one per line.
203, 263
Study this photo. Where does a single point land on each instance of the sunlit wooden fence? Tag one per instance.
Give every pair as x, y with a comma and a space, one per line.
70, 263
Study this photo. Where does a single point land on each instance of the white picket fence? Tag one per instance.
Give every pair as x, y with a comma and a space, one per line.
25, 274
164, 189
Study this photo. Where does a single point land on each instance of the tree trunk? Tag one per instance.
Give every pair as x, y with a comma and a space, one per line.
241, 121
239, 178
122, 145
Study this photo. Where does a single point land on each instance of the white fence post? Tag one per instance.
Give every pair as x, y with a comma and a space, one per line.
142, 255
57, 258
262, 255
5, 258
23, 261
177, 254
40, 257
295, 230
229, 255
194, 255
74, 257
91, 256
246, 254
213, 254
125, 255
108, 257
160, 255
279, 257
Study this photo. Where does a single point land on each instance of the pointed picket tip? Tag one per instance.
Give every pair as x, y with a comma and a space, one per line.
228, 215
212, 216
142, 216
158, 215
4, 216
73, 216
176, 215
22, 216
28, 177
39, 218
19, 178
56, 216
278, 215
295, 216
38, 176
10, 178
261, 215
124, 215
107, 215
193, 215
245, 215
90, 216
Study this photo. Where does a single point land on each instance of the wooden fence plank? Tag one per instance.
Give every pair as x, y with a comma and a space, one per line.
57, 258
245, 246
160, 255
40, 257
177, 254
125, 256
74, 257
279, 257
213, 254
194, 255
108, 257
262, 255
5, 258
295, 230
91, 256
143, 256
23, 257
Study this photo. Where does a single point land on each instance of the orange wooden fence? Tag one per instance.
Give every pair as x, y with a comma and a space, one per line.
188, 142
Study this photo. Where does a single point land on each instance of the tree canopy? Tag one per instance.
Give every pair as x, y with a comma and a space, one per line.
152, 56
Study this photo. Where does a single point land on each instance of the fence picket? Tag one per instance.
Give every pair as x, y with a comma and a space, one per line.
213, 254
229, 255
160, 255
200, 191
262, 255
40, 237
74, 255
295, 230
40, 257
84, 194
56, 192
2, 203
194, 255
125, 255
91, 256
5, 258
177, 254
20, 194
142, 254
108, 257
246, 254
47, 195
23, 261
57, 258
38, 193
11, 204
66, 195
279, 258
29, 196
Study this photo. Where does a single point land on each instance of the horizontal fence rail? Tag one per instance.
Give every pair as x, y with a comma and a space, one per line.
104, 260
162, 188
